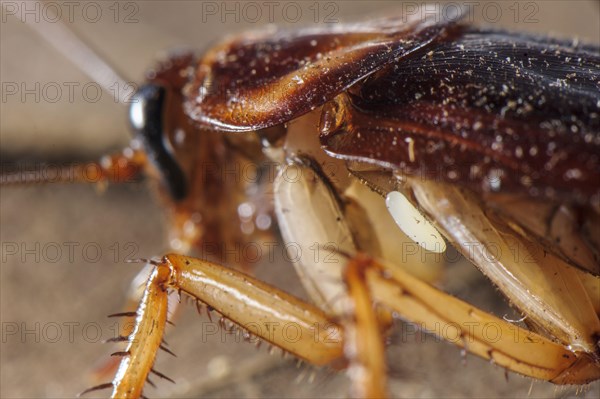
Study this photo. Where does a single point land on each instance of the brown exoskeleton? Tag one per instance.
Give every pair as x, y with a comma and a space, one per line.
339, 118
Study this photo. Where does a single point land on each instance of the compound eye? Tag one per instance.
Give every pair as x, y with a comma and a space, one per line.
146, 115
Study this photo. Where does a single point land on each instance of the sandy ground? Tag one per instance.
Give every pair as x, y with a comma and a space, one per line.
54, 303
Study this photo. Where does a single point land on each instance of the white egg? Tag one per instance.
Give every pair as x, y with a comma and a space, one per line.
413, 223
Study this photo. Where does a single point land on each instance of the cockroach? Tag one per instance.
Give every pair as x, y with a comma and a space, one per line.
490, 140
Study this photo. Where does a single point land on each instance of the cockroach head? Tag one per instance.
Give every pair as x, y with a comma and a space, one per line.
156, 116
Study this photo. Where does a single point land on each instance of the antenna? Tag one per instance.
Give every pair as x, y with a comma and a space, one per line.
70, 45
120, 167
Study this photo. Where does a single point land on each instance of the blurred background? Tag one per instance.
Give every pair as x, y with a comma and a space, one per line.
54, 301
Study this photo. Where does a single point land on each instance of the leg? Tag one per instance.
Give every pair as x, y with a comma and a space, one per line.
363, 340
144, 341
107, 367
310, 211
264, 311
458, 322
372, 282
308, 333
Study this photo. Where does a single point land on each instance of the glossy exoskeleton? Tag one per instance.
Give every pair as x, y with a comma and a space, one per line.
493, 136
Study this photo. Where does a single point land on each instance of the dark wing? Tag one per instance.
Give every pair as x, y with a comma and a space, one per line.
493, 111
263, 79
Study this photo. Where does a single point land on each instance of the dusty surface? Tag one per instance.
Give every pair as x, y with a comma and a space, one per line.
53, 305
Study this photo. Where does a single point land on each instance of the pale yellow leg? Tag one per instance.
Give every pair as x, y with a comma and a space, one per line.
481, 333
363, 344
264, 311
307, 332
144, 341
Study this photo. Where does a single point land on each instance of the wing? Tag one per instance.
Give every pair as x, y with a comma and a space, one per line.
268, 78
493, 111
513, 118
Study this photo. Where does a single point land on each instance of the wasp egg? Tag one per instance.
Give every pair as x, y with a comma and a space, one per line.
413, 224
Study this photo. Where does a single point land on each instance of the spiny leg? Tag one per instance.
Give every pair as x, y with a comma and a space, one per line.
146, 338
144, 341
541, 285
363, 343
512, 347
312, 196
264, 311
308, 333
107, 367
268, 312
